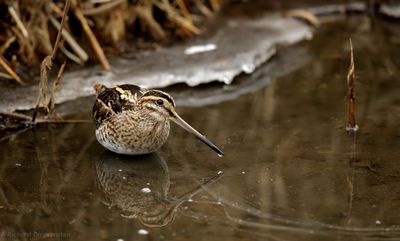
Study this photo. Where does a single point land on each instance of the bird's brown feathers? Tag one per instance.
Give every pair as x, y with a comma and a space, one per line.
114, 100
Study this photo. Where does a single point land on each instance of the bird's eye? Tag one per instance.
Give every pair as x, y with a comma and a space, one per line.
160, 102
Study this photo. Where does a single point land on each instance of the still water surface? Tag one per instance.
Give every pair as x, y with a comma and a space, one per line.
289, 172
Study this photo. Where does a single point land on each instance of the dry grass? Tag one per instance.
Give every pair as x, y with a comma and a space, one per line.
28, 31
28, 28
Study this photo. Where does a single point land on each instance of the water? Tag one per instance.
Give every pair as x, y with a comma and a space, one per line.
289, 172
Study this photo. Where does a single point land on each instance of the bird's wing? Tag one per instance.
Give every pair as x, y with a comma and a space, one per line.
110, 101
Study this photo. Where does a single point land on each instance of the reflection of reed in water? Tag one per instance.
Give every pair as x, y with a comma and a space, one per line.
139, 186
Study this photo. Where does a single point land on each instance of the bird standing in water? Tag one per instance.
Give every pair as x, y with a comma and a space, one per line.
133, 120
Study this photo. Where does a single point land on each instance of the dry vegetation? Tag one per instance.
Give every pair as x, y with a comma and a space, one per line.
47, 32
28, 29
351, 96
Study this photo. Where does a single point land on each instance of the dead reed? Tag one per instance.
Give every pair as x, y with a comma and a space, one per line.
351, 96
27, 28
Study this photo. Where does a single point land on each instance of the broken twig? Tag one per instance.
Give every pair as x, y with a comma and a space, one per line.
71, 56
145, 14
66, 8
10, 71
351, 97
7, 44
56, 84
70, 40
106, 7
176, 18
203, 9
18, 21
55, 9
92, 38
46, 66
184, 9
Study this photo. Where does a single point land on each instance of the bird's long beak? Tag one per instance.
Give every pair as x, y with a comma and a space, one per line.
178, 120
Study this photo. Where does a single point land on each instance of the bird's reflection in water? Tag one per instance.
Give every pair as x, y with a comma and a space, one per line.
139, 187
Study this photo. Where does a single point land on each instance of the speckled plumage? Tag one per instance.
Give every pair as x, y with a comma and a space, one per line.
133, 120
125, 126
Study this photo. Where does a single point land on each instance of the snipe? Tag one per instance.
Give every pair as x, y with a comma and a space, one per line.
133, 120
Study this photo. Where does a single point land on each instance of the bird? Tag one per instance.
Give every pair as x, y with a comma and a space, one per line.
133, 120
